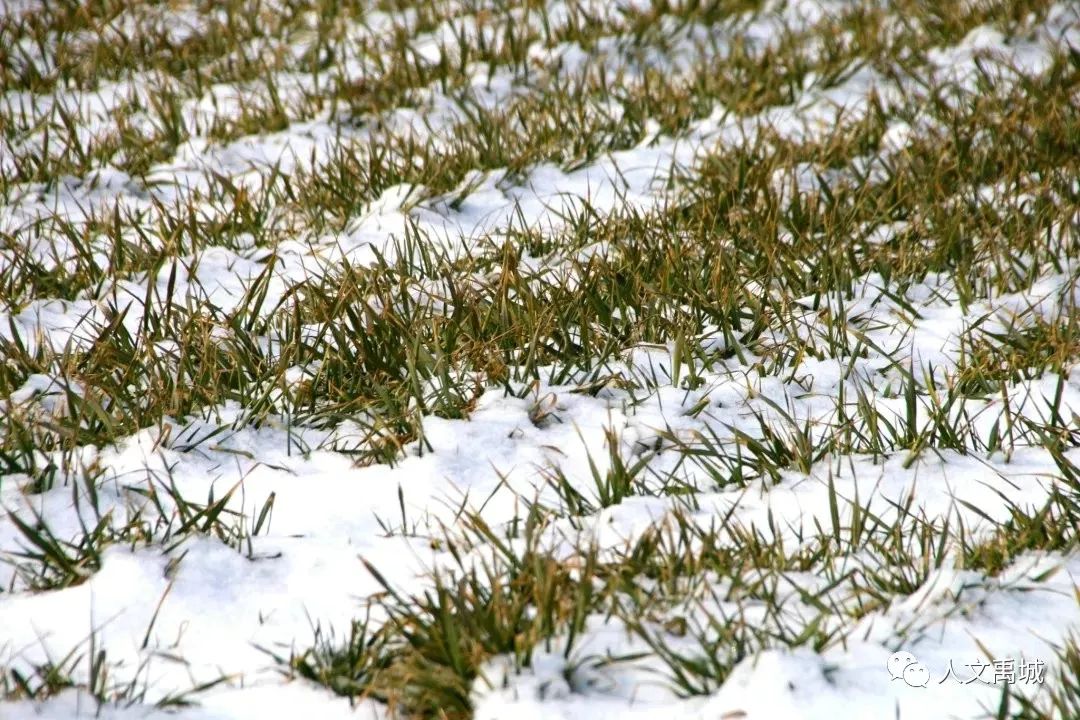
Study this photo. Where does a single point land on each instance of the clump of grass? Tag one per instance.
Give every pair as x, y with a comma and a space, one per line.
424, 660
166, 519
1052, 527
1060, 699
53, 677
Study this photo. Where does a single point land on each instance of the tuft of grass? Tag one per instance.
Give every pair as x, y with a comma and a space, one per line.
424, 660
1060, 699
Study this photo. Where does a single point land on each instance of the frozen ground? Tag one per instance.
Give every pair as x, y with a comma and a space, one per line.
226, 437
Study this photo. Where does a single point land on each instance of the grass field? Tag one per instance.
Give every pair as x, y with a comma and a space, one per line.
712, 359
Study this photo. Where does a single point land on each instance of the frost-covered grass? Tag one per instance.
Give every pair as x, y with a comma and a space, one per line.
538, 358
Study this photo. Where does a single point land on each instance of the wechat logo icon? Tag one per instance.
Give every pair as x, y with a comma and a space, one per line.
902, 665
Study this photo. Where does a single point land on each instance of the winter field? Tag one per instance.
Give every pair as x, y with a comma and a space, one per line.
522, 359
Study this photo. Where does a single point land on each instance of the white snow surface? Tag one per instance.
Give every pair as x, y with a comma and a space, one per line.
172, 620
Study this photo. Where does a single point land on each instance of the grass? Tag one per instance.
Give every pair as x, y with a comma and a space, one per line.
424, 660
164, 520
1062, 701
103, 691
774, 301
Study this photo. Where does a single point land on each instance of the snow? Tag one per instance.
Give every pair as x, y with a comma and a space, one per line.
172, 619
